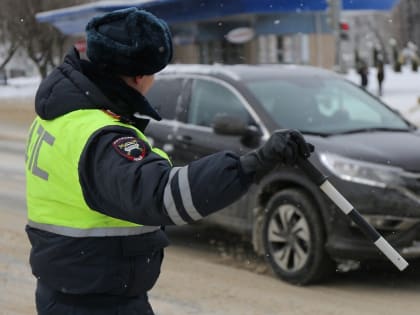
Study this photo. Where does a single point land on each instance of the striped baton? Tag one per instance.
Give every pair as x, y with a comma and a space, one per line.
321, 180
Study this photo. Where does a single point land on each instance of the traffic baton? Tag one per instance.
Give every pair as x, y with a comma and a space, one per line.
381, 243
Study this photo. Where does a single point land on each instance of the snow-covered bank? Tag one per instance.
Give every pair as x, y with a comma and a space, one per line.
20, 88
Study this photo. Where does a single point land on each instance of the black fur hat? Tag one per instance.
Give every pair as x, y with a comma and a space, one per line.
129, 42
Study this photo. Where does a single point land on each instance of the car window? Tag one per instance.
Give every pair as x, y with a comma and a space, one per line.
165, 95
209, 99
324, 105
332, 102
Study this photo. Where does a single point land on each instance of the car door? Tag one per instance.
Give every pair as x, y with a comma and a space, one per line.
195, 137
165, 96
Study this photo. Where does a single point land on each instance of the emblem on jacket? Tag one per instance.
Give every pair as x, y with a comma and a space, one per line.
131, 148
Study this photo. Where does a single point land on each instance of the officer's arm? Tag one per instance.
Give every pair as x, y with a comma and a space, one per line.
148, 190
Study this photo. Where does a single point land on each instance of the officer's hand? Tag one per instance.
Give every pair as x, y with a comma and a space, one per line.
284, 146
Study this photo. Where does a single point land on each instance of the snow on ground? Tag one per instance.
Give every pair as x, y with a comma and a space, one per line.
19, 87
401, 90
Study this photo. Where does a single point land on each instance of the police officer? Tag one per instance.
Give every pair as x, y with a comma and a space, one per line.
98, 192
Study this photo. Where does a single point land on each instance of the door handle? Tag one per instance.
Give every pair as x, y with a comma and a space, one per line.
184, 138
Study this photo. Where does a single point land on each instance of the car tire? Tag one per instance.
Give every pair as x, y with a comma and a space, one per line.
293, 237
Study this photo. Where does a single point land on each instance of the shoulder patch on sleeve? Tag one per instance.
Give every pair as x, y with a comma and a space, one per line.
133, 149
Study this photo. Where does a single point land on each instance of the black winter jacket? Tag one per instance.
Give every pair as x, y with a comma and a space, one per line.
132, 190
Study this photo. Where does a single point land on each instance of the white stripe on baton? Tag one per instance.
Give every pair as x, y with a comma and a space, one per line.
377, 239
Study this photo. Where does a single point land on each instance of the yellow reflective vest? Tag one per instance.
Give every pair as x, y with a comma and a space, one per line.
55, 199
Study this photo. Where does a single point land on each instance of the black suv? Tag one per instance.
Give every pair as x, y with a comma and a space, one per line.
370, 153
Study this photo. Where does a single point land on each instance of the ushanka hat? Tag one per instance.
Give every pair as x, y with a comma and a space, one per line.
129, 42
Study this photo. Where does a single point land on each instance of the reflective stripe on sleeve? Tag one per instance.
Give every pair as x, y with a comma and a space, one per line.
93, 232
169, 202
184, 187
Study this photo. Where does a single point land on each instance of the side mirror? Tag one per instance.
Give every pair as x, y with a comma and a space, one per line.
233, 126
228, 125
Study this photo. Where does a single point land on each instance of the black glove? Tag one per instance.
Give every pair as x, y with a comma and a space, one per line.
284, 146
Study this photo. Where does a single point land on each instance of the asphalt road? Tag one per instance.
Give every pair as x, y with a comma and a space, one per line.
204, 271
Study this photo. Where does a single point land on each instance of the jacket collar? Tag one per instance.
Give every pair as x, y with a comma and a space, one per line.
123, 99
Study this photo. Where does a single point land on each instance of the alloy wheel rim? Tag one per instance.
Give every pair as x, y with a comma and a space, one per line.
289, 238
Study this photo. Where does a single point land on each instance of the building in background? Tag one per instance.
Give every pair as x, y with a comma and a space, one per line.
406, 20
234, 31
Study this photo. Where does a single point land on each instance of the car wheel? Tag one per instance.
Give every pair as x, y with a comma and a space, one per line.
294, 238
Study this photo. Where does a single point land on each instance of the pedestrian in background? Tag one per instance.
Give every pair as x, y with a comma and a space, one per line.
98, 193
380, 75
362, 69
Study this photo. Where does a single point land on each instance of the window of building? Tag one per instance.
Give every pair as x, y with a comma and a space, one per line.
233, 53
222, 52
